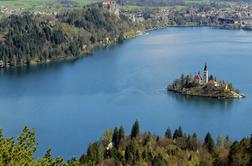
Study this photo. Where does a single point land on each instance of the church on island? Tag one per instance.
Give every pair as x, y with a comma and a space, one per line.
204, 85
198, 77
208, 80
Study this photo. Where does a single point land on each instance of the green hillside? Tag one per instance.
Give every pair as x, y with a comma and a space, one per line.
43, 5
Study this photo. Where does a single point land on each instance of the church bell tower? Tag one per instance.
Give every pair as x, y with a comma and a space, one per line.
205, 74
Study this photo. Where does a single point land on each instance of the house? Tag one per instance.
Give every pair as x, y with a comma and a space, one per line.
198, 78
107, 3
214, 83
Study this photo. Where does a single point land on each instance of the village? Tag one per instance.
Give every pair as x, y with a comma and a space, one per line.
205, 86
231, 16
236, 16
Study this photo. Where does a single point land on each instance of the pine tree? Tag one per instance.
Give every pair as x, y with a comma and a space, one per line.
209, 143
219, 141
121, 137
178, 133
195, 142
168, 134
175, 134
135, 130
227, 143
115, 137
182, 78
232, 159
121, 133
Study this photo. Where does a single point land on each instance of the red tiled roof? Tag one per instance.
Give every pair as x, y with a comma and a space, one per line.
197, 77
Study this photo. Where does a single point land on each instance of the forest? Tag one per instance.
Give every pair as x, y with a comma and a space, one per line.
115, 147
31, 39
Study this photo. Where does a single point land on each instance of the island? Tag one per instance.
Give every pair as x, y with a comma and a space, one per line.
206, 86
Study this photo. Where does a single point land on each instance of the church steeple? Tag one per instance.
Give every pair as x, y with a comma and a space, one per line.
205, 66
205, 74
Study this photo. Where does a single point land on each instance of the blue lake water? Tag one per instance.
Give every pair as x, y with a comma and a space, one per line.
70, 104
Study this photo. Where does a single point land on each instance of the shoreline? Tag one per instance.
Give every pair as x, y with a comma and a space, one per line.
112, 43
181, 92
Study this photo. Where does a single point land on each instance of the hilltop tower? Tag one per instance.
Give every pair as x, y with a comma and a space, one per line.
205, 74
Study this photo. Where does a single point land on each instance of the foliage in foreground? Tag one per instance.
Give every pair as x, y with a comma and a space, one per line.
117, 148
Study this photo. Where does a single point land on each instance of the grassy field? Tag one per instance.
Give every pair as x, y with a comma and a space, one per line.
58, 5
41, 5
131, 7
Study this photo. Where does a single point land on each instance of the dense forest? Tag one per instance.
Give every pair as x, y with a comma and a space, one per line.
137, 148
32, 39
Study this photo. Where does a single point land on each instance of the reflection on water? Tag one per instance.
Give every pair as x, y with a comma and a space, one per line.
35, 69
208, 103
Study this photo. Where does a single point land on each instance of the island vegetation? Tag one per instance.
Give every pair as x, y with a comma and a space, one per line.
206, 86
115, 147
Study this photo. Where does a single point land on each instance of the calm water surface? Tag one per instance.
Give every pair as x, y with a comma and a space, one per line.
71, 104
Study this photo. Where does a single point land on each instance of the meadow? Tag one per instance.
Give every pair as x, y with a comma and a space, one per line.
43, 5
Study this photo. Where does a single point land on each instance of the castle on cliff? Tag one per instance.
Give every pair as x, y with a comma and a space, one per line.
111, 6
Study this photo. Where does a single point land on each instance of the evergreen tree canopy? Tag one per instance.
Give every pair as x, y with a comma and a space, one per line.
209, 143
135, 130
168, 134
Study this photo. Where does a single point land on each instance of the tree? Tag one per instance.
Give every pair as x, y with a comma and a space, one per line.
21, 151
135, 130
121, 133
234, 150
168, 134
107, 137
121, 137
227, 143
219, 141
182, 78
230, 86
209, 143
115, 137
211, 77
132, 154
195, 142
159, 161
250, 150
178, 133
95, 152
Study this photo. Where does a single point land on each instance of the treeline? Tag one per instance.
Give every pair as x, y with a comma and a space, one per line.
100, 25
177, 148
153, 2
117, 148
158, 3
28, 39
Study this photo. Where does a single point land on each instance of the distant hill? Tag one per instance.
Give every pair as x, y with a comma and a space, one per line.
31, 39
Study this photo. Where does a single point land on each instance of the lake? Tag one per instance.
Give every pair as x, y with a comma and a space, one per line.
71, 104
